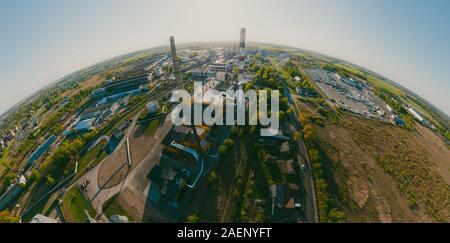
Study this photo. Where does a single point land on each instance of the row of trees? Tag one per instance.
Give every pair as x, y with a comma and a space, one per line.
62, 160
226, 147
326, 205
345, 72
6, 217
292, 70
268, 76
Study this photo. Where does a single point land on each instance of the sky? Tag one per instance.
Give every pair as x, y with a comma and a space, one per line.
405, 40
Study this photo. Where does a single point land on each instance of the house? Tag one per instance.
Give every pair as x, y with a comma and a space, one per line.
287, 167
43, 148
185, 135
286, 202
285, 196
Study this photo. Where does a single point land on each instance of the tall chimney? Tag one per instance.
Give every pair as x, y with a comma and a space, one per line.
173, 51
242, 42
242, 56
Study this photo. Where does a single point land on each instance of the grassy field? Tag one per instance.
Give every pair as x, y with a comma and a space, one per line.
371, 79
151, 128
91, 159
74, 205
3, 162
111, 207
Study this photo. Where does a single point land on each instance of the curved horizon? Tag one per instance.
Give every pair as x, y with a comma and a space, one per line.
61, 79
45, 40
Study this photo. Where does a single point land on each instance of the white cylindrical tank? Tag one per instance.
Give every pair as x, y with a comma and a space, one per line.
153, 107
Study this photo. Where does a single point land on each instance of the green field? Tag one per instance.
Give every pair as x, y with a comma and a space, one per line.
152, 127
3, 159
92, 158
74, 206
112, 207
378, 83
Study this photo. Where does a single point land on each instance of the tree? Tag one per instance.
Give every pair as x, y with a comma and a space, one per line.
284, 104
314, 155
35, 175
253, 130
50, 181
336, 216
282, 115
235, 131
290, 111
308, 132
229, 143
304, 119
192, 219
297, 136
248, 86
5, 217
223, 150
213, 178
323, 112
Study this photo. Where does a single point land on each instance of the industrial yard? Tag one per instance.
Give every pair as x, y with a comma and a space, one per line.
351, 94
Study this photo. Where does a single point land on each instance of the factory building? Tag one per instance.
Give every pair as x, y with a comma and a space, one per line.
85, 125
41, 149
113, 87
219, 66
199, 74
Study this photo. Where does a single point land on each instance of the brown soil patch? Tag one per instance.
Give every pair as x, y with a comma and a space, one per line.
132, 203
437, 149
381, 168
359, 191
111, 165
140, 144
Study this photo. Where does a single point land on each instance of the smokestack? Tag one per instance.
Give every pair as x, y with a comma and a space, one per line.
173, 51
242, 42
242, 55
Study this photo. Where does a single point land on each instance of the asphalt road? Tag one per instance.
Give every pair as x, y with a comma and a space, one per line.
308, 182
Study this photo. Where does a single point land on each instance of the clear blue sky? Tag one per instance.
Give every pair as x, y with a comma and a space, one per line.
406, 40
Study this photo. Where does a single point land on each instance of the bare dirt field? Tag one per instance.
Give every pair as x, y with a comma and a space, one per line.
111, 165
437, 149
133, 198
141, 143
133, 203
387, 174
378, 172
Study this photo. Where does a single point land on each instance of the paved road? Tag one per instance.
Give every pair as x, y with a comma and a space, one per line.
308, 182
135, 181
97, 193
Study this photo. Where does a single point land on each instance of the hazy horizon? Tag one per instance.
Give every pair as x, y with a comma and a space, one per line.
406, 41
